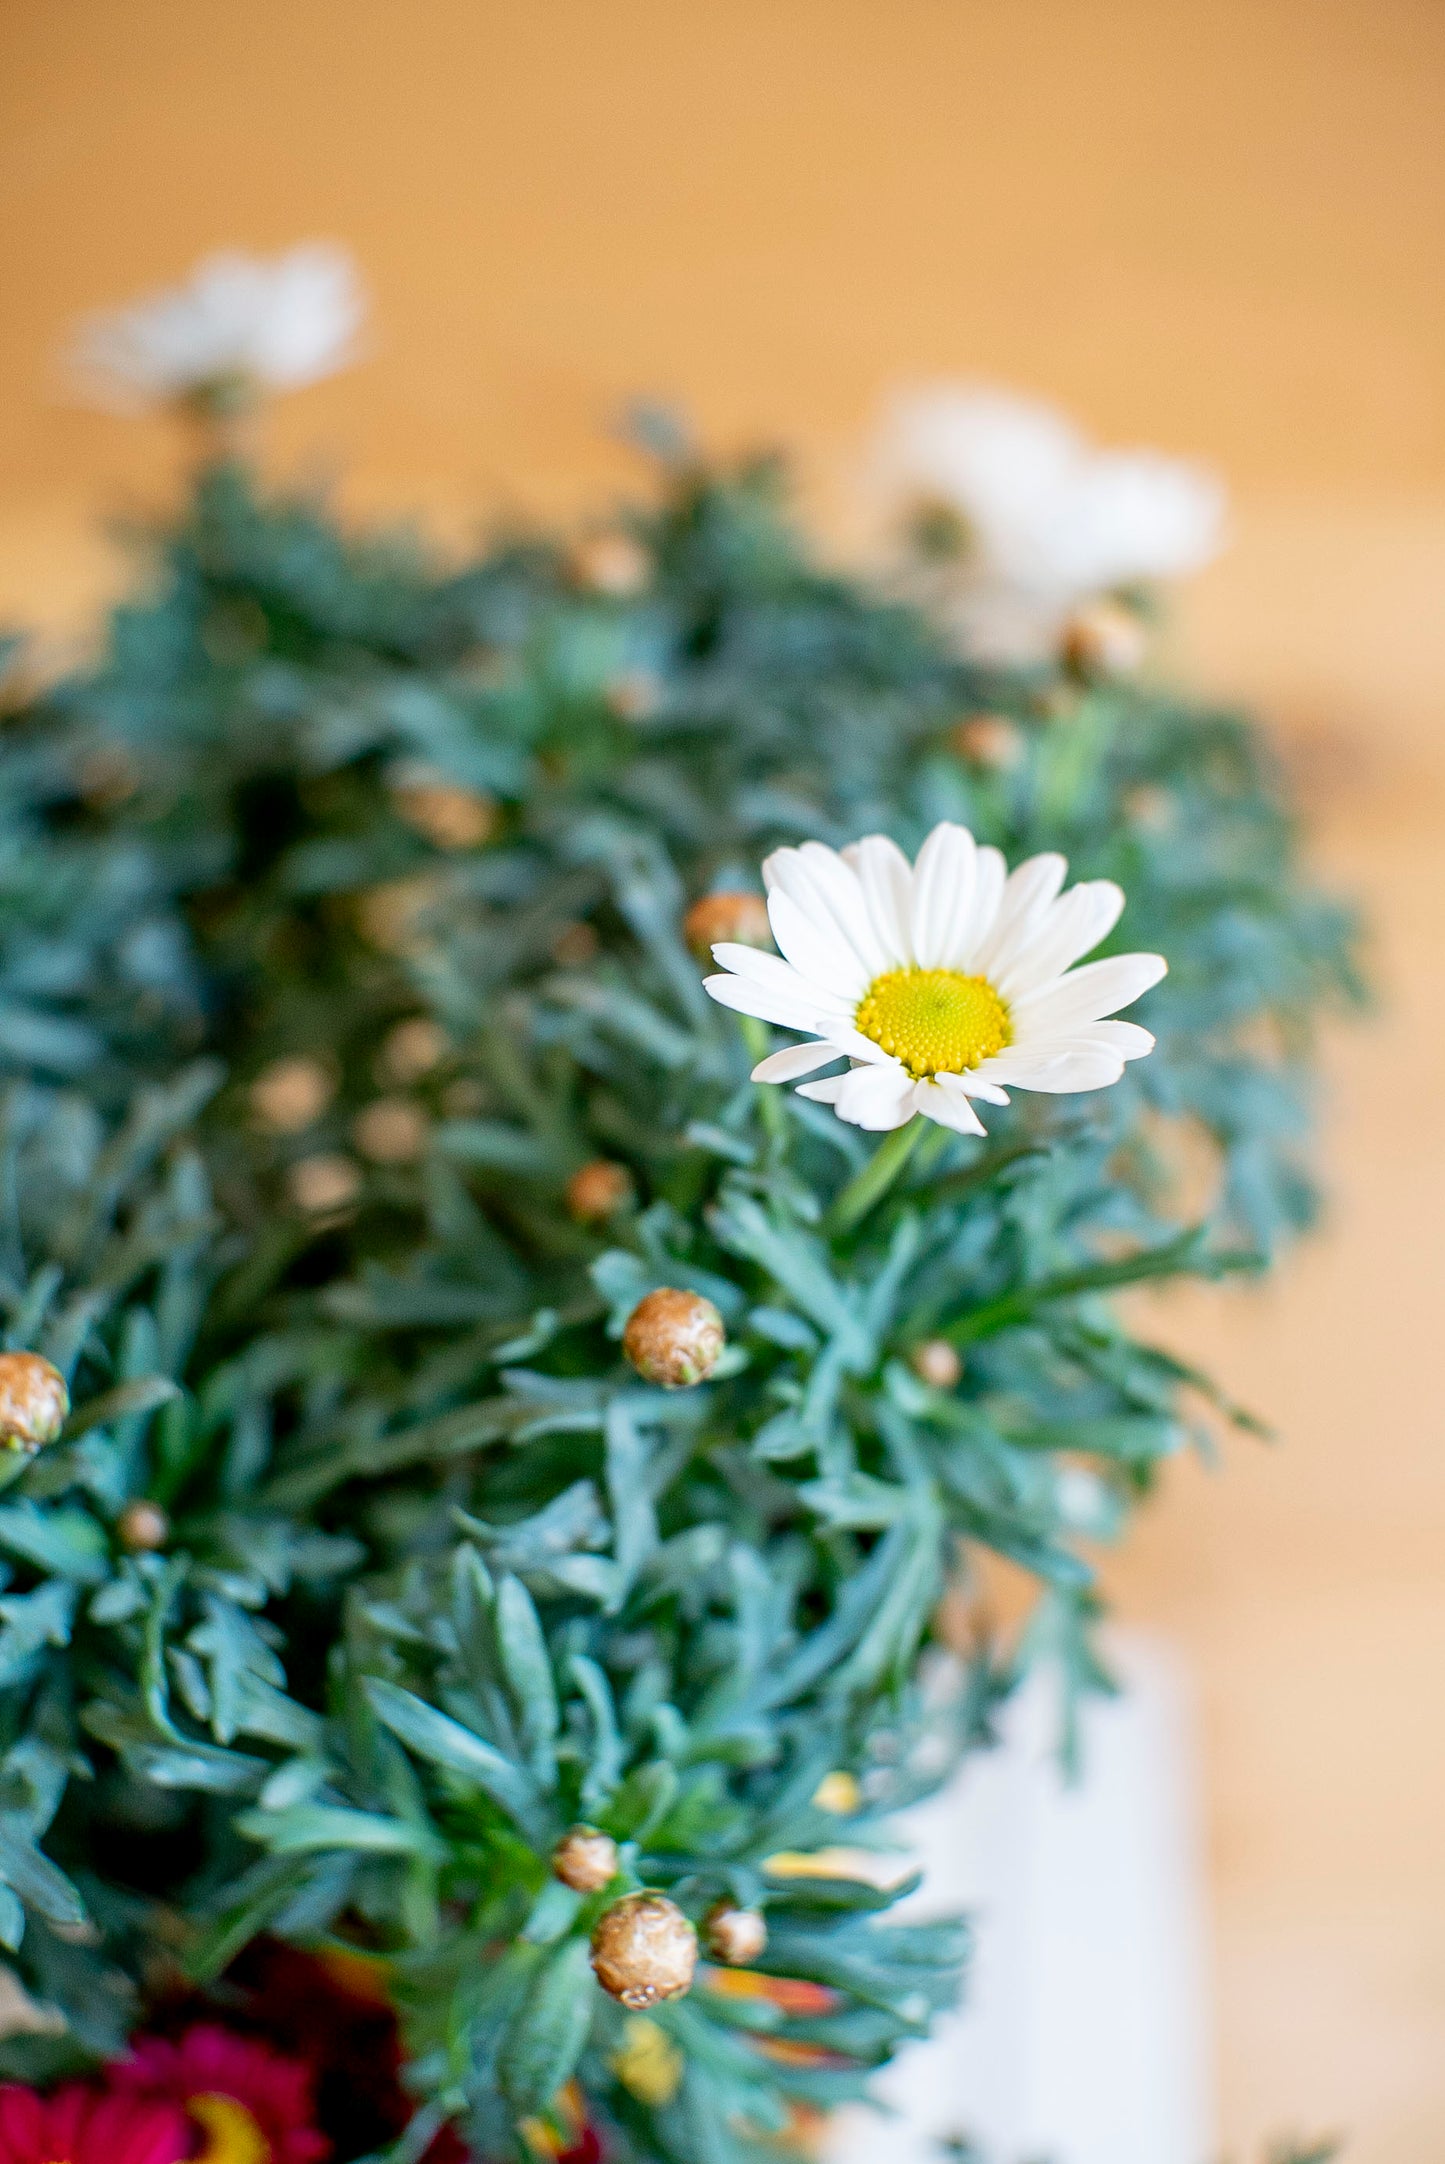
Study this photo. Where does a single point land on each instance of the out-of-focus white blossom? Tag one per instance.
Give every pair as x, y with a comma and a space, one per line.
238, 325
1026, 518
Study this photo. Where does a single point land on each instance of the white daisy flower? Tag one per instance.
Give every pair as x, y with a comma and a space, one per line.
1039, 519
942, 982
238, 324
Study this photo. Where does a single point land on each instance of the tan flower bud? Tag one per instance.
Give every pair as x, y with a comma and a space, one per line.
445, 814
391, 916
644, 1950
1104, 641
1151, 807
598, 1191
609, 563
412, 1049
106, 776
585, 1860
323, 1185
390, 1131
994, 741
674, 1338
291, 1093
143, 1526
636, 695
574, 945
742, 918
736, 1936
937, 1362
34, 1402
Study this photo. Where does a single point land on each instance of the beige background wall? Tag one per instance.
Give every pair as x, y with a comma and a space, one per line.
1218, 226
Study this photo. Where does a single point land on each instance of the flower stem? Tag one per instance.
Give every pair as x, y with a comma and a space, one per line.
877, 1176
757, 1039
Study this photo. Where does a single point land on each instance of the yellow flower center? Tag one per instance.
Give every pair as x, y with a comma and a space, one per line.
232, 2135
936, 1021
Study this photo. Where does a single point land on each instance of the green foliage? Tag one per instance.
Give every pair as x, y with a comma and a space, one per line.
444, 1577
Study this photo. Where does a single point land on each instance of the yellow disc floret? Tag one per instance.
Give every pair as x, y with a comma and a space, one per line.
936, 1021
230, 2134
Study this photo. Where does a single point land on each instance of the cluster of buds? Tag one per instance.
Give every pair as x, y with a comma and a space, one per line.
674, 1338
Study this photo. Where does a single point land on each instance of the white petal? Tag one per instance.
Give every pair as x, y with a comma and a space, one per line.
979, 1082
824, 1092
874, 1097
949, 1108
1068, 930
779, 977
943, 884
1124, 1038
829, 890
815, 950
769, 1006
1072, 1002
987, 895
794, 1060
1066, 1065
1031, 888
886, 878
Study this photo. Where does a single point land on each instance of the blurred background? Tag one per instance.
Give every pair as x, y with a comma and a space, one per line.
1215, 228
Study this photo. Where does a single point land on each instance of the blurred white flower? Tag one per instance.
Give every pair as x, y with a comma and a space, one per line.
237, 326
1026, 517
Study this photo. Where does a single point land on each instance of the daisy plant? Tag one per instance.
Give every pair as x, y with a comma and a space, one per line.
496, 1500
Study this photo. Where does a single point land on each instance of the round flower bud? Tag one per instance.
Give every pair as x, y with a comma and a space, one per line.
1150, 807
993, 741
34, 1402
412, 1049
445, 814
674, 1338
291, 1093
742, 918
574, 945
585, 1860
644, 1950
636, 695
393, 915
937, 1362
598, 1191
609, 563
323, 1184
736, 1936
1104, 641
390, 1131
143, 1526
